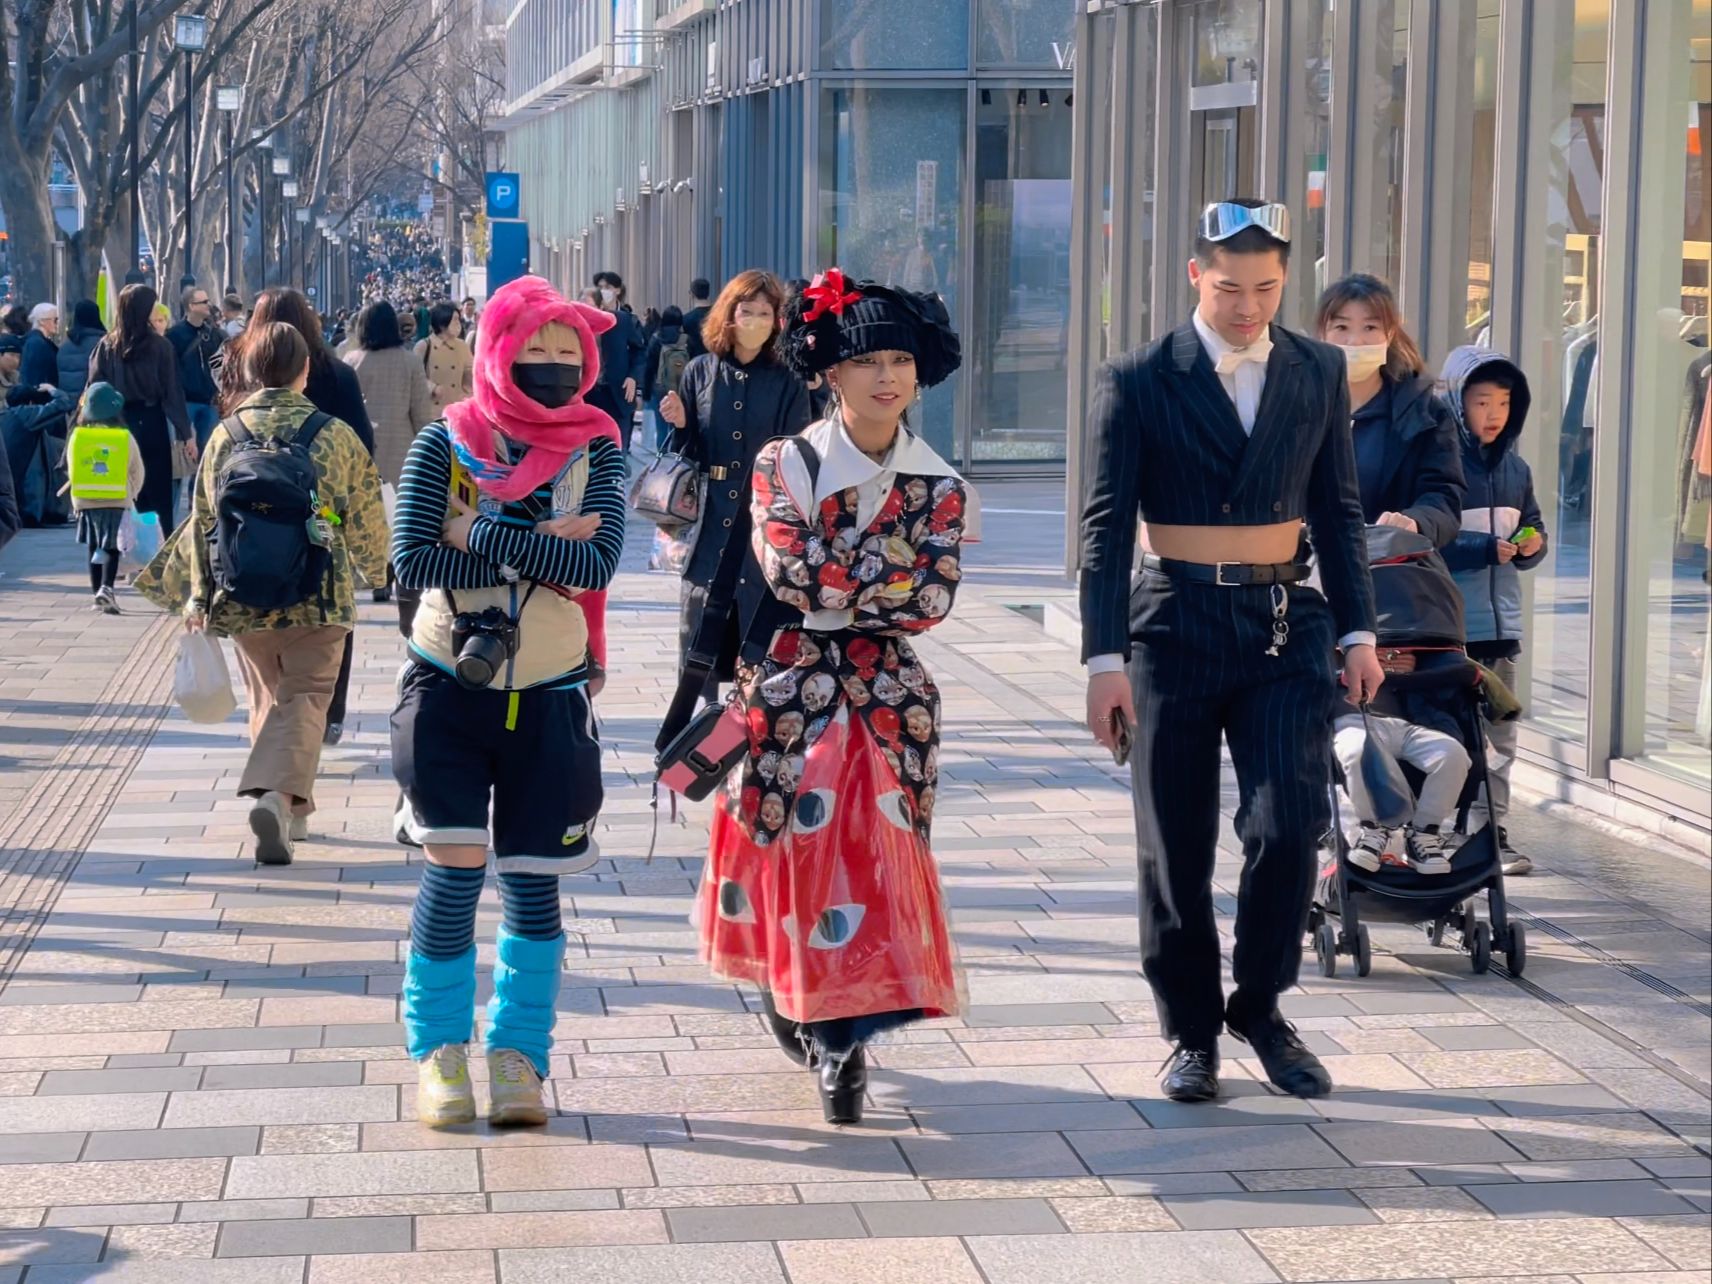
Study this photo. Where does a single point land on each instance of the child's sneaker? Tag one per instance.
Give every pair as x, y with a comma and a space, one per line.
106, 601
444, 1095
270, 822
1514, 862
1369, 849
1427, 852
514, 1089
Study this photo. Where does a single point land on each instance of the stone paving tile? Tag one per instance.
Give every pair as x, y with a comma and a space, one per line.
559, 1130
40, 1148
992, 1155
386, 1173
238, 1210
102, 1182
311, 1139
252, 1077
1176, 1150
398, 1205
269, 1270
867, 1192
1423, 1204
172, 1143
644, 1264
183, 1240
1266, 1208
404, 1268
281, 1106
1489, 1069
766, 1161
1588, 1137
1327, 1179
110, 1214
1687, 1241
1183, 1257
552, 1201
1116, 1213
902, 1218
860, 1261
542, 1230
1580, 1199
1443, 1141
765, 1222
315, 1235
568, 1168
1079, 1116
79, 1113
712, 1196
1019, 1188
1511, 1249
49, 1245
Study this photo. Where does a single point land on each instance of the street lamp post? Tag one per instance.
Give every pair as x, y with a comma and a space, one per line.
264, 143
288, 194
190, 34
281, 170
133, 270
302, 269
229, 99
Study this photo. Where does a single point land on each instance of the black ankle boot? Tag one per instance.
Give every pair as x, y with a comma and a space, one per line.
842, 1083
786, 1033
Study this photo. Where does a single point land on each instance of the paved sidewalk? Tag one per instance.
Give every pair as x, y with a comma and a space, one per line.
201, 1078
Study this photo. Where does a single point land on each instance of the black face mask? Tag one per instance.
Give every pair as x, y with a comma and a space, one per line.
553, 384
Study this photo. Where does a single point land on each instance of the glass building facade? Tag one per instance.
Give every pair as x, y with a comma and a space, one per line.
1532, 175
925, 142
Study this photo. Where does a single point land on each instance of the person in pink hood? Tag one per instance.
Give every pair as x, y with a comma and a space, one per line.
510, 521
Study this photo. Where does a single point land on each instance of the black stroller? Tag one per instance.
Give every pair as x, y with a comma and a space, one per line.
1411, 593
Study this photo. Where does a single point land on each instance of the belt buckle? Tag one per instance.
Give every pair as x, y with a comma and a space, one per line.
1219, 575
717, 472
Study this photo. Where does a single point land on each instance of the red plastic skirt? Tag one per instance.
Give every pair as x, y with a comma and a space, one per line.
842, 915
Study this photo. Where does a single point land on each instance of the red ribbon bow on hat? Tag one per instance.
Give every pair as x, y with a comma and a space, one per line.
829, 293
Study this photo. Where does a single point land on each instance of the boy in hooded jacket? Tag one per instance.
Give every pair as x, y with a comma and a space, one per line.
1503, 534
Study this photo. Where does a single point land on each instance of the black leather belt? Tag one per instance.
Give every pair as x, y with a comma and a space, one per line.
1226, 574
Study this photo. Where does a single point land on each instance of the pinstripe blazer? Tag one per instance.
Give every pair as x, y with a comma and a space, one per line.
1166, 446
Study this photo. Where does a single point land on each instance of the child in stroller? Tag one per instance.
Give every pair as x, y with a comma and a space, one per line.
1409, 726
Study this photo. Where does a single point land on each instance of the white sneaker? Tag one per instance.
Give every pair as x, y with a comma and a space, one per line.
444, 1095
1427, 852
270, 822
514, 1090
106, 601
1369, 849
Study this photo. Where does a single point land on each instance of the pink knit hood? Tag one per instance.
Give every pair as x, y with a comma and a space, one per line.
516, 311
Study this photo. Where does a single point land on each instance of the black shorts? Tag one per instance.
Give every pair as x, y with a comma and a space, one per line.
532, 756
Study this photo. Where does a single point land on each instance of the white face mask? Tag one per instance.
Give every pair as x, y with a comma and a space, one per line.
755, 330
1365, 360
608, 295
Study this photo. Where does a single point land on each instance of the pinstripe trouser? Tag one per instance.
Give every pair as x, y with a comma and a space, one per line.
1200, 668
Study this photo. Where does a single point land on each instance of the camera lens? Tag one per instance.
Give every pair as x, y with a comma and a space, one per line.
478, 661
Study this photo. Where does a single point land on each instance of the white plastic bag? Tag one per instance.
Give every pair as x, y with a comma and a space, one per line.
202, 686
389, 501
139, 540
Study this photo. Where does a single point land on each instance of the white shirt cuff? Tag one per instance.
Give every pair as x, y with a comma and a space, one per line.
1361, 637
1111, 662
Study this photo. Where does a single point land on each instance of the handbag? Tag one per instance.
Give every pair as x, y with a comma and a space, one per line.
1415, 600
668, 491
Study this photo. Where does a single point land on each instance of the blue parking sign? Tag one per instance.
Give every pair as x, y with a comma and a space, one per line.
503, 192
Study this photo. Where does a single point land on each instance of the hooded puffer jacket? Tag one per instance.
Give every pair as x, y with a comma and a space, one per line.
1498, 502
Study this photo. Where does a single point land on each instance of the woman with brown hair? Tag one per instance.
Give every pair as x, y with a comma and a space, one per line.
1406, 451
734, 399
332, 389
288, 655
143, 367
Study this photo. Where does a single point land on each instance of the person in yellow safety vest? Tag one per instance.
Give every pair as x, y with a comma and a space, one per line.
105, 475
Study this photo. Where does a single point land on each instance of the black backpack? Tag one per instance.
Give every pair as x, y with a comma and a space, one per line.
264, 500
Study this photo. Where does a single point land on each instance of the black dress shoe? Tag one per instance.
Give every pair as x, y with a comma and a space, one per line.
1191, 1074
842, 1083
786, 1033
1283, 1055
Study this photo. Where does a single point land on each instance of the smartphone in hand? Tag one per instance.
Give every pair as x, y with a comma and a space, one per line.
1122, 738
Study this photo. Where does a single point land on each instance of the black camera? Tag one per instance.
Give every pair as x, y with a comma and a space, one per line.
482, 643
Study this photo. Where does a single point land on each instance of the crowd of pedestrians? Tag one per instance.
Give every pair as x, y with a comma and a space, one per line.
826, 535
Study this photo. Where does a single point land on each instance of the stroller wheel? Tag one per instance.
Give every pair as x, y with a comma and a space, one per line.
1516, 949
1363, 951
1480, 948
1435, 932
1325, 949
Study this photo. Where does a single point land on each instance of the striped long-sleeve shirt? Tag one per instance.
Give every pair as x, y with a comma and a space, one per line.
422, 561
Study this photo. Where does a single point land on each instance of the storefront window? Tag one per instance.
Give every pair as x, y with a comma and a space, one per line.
1017, 349
1314, 79
1392, 85
1481, 156
1572, 43
1667, 700
878, 35
891, 170
1026, 33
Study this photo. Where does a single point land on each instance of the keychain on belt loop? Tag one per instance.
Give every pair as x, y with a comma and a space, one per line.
1280, 626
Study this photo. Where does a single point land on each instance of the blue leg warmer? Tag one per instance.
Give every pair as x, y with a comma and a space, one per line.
525, 992
439, 1001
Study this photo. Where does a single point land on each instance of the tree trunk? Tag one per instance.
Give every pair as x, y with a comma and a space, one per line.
30, 227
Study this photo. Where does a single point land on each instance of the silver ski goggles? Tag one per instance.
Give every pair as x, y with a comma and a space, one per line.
1224, 219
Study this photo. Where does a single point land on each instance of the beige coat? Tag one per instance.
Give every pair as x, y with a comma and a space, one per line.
450, 367
395, 390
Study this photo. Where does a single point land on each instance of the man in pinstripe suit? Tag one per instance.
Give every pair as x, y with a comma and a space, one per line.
1225, 438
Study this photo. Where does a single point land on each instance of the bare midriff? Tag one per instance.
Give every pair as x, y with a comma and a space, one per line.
1255, 545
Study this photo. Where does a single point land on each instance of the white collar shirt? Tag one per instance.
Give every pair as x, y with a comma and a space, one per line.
1242, 371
